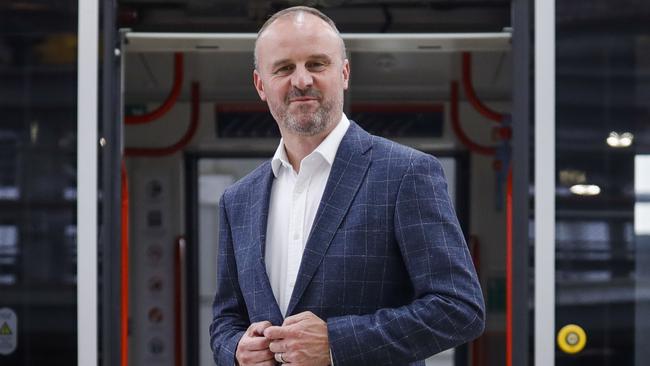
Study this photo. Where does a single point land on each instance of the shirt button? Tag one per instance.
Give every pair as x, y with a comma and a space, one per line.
292, 284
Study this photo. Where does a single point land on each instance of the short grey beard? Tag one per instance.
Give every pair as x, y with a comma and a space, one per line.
317, 124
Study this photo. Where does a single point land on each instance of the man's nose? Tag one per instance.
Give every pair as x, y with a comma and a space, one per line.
302, 79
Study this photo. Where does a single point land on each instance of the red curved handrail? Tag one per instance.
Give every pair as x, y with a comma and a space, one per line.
455, 124
184, 141
169, 102
471, 94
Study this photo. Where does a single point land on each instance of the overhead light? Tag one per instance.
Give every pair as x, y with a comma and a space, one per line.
585, 189
624, 139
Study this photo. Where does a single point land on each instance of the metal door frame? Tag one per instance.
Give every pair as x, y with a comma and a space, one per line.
521, 149
87, 122
544, 183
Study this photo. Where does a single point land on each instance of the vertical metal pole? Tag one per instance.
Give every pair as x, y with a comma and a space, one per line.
192, 297
87, 72
521, 122
544, 183
111, 189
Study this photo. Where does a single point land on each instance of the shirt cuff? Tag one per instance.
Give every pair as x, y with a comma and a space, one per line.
331, 358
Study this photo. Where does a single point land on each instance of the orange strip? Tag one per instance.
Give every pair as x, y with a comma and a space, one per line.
178, 294
509, 269
124, 271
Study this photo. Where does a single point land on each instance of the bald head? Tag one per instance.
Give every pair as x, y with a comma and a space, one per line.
298, 15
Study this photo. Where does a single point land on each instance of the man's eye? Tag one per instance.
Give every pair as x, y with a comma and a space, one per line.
317, 66
283, 69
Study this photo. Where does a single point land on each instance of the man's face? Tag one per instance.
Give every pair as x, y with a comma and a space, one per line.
301, 74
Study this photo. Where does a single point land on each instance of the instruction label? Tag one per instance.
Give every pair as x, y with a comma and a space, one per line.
8, 331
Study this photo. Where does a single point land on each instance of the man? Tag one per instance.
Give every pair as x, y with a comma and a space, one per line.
344, 249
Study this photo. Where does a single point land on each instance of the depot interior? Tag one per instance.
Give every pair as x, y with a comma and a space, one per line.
410, 91
193, 124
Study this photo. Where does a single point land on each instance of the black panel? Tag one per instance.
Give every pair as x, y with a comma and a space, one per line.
110, 159
38, 180
391, 121
400, 121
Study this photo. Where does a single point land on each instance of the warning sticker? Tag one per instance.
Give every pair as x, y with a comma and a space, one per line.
8, 330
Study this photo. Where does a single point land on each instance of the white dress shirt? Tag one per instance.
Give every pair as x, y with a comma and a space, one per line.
294, 200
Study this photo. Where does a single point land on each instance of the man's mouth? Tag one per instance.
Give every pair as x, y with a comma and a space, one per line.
302, 99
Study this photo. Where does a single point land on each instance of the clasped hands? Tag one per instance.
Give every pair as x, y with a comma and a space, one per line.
301, 340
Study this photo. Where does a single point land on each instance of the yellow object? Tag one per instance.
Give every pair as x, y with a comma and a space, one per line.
5, 330
60, 48
571, 338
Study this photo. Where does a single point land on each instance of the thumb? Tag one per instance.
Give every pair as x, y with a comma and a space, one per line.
257, 329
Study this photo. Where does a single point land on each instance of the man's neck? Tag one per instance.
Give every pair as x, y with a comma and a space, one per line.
297, 147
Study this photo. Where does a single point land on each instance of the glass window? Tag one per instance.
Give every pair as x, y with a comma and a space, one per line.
38, 90
602, 63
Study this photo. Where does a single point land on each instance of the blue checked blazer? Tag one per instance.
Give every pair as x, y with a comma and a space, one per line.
385, 265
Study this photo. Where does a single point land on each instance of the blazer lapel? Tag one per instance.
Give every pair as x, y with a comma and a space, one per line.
259, 207
259, 211
347, 173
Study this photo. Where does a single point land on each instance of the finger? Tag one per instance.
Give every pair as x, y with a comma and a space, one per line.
278, 346
298, 318
275, 332
254, 357
257, 329
266, 363
256, 344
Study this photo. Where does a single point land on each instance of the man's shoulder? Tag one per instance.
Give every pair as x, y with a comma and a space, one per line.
394, 153
383, 148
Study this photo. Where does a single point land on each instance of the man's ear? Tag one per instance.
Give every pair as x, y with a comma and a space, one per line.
346, 73
259, 86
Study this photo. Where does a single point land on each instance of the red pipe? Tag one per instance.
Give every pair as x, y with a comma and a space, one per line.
471, 94
184, 141
171, 98
178, 296
124, 270
509, 269
455, 124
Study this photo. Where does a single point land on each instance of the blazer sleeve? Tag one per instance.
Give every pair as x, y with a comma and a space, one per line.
230, 318
447, 309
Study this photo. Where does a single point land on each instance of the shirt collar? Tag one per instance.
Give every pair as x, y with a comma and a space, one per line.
327, 148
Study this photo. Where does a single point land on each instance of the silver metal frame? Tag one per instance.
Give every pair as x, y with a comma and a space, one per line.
521, 127
354, 42
87, 93
545, 183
